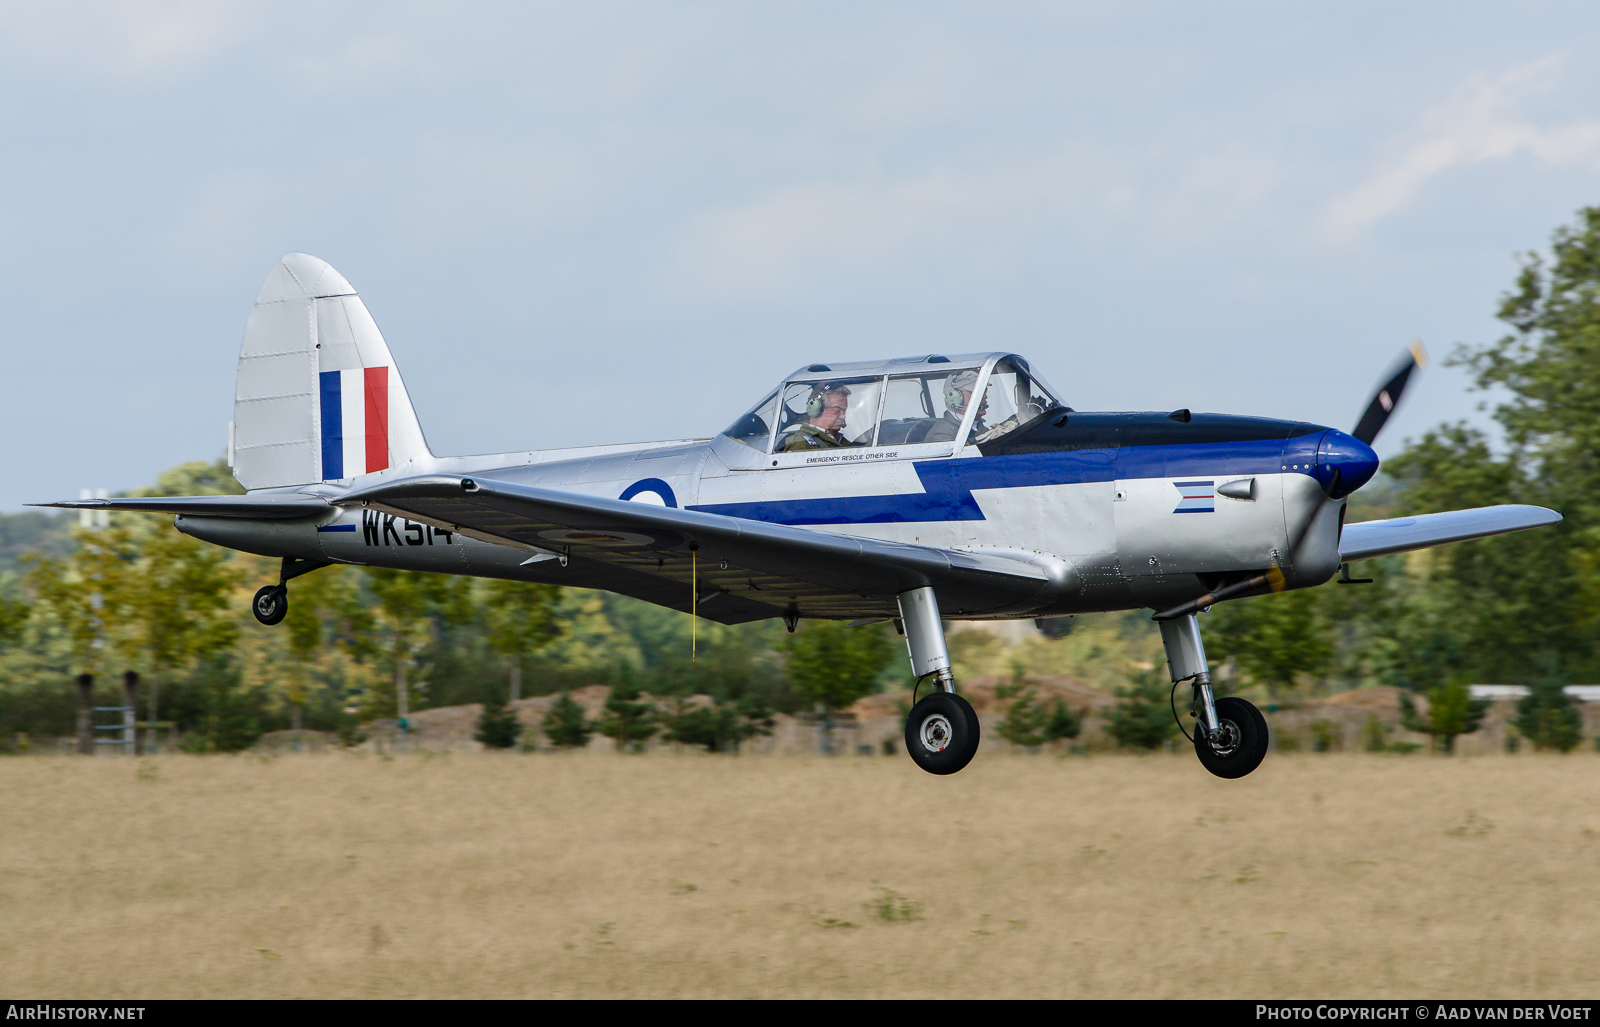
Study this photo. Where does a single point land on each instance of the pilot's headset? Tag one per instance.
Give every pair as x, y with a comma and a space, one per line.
954, 386
818, 400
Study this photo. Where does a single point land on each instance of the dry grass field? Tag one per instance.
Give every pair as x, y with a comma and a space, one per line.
682, 874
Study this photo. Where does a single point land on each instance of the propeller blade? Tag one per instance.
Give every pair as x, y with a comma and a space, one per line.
1389, 393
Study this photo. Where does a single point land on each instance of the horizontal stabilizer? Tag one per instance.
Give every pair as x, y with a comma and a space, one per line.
271, 507
739, 569
1402, 534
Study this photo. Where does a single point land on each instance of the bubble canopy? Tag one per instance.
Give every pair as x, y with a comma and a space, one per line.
974, 397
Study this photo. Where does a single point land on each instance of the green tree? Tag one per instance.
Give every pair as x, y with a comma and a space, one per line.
1547, 717
627, 720
196, 478
1273, 638
833, 665
1373, 734
1026, 721
566, 725
410, 606
82, 594
521, 620
1525, 607
1451, 711
719, 727
1142, 718
14, 614
1064, 722
498, 726
173, 606
326, 609
224, 716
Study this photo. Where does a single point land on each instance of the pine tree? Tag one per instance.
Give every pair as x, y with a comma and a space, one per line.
719, 727
1026, 720
498, 726
1143, 718
1548, 718
626, 720
1064, 722
565, 725
1451, 711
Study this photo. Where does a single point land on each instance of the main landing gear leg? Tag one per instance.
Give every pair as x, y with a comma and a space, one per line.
942, 729
1230, 734
271, 603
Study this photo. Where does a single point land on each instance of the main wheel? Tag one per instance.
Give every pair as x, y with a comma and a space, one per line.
1242, 744
271, 604
942, 733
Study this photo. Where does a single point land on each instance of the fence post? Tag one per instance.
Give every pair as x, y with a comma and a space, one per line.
86, 714
130, 713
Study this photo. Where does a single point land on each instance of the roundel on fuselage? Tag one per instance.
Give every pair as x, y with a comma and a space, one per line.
650, 490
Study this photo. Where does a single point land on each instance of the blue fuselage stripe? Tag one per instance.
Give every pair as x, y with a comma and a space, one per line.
948, 484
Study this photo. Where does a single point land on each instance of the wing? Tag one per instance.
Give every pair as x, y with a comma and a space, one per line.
269, 506
742, 570
1403, 534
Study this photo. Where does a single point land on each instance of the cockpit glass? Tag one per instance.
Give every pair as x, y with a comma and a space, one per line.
827, 414
755, 427
925, 407
1012, 397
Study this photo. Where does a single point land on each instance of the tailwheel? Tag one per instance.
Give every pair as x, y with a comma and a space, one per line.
271, 604
1241, 742
942, 733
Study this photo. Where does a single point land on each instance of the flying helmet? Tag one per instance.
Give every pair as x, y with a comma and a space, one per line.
954, 387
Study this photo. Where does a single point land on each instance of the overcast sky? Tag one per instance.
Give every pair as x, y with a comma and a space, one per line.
582, 223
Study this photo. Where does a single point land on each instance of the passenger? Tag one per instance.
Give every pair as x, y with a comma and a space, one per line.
826, 407
957, 397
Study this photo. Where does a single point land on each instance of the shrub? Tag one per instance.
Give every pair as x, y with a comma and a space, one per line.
498, 726
626, 720
1451, 711
1142, 718
1547, 717
719, 727
893, 908
1372, 734
565, 724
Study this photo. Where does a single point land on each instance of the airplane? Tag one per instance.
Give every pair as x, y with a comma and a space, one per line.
908, 491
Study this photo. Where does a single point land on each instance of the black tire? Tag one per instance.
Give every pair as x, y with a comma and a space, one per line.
942, 733
1244, 741
271, 604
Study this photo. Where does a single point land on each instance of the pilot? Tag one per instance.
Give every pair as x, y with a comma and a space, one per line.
957, 397
826, 407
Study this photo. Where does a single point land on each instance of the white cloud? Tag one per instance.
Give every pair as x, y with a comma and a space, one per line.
1485, 121
122, 40
985, 220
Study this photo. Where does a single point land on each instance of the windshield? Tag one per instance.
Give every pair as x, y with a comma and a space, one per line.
754, 428
1012, 397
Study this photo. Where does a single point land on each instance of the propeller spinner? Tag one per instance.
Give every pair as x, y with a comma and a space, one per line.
1347, 462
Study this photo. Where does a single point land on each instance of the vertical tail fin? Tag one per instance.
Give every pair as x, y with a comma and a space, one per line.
317, 397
